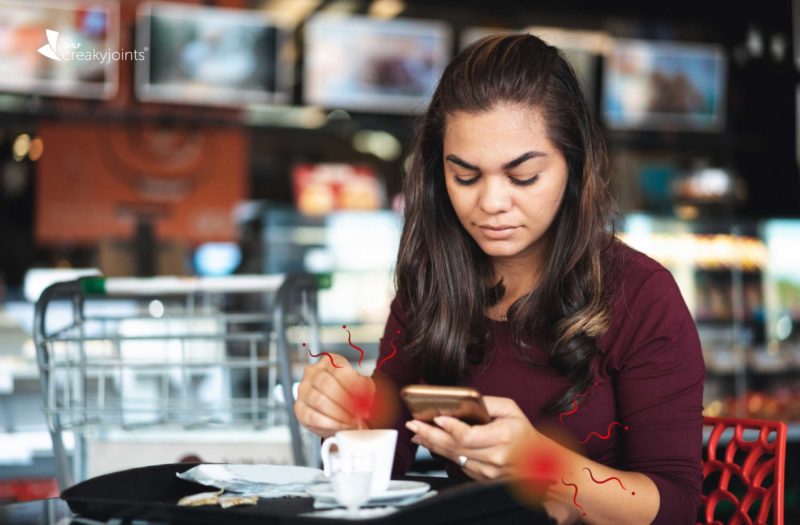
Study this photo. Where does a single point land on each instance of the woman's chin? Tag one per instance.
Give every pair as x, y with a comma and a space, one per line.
496, 249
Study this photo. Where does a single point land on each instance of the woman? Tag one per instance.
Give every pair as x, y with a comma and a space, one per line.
508, 280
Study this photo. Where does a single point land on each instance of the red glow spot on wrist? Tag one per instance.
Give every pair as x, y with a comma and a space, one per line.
362, 403
378, 406
538, 467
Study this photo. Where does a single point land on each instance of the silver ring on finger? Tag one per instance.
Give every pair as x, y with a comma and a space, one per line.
462, 460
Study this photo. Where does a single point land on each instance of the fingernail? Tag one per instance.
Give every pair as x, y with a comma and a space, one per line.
439, 420
416, 440
412, 426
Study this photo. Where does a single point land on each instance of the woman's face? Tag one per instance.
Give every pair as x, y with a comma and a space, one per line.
504, 177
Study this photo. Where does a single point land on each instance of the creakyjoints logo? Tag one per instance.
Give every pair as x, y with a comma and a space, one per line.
49, 49
52, 51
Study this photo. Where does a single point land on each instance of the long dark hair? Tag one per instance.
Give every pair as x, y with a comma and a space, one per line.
445, 281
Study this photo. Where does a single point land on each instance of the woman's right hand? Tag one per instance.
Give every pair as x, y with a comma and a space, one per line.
330, 397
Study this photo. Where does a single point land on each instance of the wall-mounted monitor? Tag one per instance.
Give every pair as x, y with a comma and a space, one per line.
64, 48
365, 64
212, 56
664, 86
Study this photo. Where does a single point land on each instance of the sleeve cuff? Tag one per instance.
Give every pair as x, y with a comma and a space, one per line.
677, 505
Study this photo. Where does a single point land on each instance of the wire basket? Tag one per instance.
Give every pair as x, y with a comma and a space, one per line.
191, 353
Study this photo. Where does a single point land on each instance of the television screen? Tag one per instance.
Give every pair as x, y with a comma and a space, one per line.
664, 86
211, 56
59, 48
360, 63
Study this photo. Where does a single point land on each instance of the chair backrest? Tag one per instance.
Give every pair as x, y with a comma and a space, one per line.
751, 471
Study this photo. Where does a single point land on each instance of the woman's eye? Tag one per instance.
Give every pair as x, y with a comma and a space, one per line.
525, 182
465, 182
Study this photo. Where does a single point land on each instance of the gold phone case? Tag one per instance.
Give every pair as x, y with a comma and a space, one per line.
428, 401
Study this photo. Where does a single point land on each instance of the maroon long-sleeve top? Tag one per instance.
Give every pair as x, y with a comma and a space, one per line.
649, 377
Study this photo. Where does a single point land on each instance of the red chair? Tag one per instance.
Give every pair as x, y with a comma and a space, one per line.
748, 464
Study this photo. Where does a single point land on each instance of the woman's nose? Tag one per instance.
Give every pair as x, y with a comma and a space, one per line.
495, 195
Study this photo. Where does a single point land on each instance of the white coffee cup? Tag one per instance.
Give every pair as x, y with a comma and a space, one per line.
379, 443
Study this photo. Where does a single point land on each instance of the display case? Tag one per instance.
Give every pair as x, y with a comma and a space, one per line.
741, 282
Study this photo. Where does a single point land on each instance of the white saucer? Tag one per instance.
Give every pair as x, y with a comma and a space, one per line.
397, 489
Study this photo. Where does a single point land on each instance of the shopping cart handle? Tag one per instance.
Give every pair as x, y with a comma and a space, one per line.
126, 286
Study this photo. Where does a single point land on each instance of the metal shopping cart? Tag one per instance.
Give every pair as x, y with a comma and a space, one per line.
127, 354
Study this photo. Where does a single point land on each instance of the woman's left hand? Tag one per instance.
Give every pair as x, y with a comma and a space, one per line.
490, 449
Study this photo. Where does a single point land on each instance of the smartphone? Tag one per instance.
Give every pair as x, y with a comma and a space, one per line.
428, 401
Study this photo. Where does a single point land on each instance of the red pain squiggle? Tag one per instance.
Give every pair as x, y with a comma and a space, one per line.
323, 353
394, 352
608, 433
575, 403
574, 496
600, 482
562, 414
350, 342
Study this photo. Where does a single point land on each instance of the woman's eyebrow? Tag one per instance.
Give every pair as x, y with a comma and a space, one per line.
522, 158
455, 159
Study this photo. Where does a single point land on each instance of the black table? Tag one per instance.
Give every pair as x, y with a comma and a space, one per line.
42, 511
148, 495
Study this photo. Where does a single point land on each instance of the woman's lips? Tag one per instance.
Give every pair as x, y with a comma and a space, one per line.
498, 232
